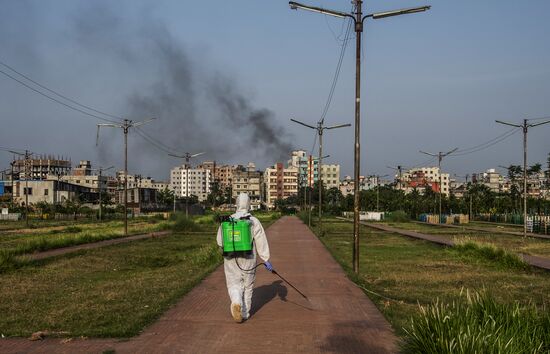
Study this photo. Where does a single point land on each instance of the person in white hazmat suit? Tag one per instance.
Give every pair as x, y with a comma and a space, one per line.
240, 283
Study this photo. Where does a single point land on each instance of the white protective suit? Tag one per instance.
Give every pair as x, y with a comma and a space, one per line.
240, 283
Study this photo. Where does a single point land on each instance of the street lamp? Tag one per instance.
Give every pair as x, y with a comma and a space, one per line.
440, 155
358, 19
125, 126
320, 128
525, 126
187, 156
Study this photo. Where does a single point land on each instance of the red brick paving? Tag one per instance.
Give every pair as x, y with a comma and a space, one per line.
338, 317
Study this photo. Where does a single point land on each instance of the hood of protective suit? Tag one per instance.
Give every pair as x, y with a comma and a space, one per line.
243, 205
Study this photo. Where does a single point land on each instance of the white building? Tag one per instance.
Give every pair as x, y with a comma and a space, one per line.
191, 181
422, 177
330, 175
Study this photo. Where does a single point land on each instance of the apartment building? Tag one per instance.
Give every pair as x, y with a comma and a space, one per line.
330, 175
424, 177
187, 181
248, 180
280, 183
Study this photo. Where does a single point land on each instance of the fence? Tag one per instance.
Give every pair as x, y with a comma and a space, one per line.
535, 223
445, 219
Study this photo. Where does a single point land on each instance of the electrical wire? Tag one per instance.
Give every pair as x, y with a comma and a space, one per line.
156, 143
337, 72
540, 118
56, 100
58, 94
487, 145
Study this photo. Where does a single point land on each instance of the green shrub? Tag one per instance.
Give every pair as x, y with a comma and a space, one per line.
183, 223
491, 253
398, 216
72, 229
478, 324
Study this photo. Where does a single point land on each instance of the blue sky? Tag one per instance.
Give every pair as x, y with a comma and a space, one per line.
431, 81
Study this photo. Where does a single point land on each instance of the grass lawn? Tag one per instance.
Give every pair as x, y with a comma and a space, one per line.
114, 291
511, 243
109, 292
405, 273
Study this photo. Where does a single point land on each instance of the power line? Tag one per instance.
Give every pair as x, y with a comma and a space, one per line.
156, 143
57, 100
58, 94
488, 144
337, 72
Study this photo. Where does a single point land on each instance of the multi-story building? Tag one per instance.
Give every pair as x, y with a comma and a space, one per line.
491, 178
83, 175
280, 183
51, 191
248, 180
223, 175
39, 168
424, 177
330, 175
187, 181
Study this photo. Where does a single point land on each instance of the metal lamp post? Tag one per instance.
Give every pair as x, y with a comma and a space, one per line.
358, 19
440, 155
525, 127
125, 126
320, 128
187, 156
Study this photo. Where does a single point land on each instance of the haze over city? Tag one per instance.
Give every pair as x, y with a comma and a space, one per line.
226, 78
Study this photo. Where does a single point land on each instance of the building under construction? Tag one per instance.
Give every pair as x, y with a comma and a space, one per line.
40, 167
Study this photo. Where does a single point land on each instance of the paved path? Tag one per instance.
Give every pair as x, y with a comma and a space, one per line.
338, 317
535, 261
473, 228
87, 246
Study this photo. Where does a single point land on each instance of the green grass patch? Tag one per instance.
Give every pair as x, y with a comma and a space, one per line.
400, 273
20, 244
114, 291
478, 324
491, 253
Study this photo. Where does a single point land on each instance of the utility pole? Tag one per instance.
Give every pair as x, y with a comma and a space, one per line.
440, 155
525, 127
100, 188
467, 176
320, 128
377, 189
125, 126
187, 156
358, 19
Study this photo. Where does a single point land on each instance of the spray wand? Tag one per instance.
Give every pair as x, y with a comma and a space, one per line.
286, 281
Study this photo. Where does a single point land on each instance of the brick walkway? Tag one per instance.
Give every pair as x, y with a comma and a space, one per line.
473, 228
535, 261
338, 317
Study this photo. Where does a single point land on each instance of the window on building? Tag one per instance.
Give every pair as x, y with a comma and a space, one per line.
45, 192
27, 191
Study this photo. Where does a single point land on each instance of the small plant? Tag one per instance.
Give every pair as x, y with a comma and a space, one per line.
183, 223
478, 324
491, 253
72, 229
398, 216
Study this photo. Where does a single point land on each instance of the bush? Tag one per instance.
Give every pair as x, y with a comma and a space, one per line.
491, 253
398, 216
478, 324
183, 223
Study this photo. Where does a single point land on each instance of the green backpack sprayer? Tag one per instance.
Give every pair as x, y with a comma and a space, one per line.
238, 241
